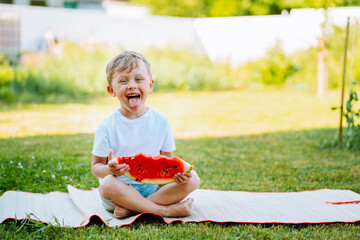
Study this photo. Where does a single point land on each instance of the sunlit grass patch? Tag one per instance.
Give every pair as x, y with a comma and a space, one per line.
192, 114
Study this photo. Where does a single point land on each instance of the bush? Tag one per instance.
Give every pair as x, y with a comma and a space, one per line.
80, 71
43, 76
6, 77
352, 116
299, 69
184, 70
274, 68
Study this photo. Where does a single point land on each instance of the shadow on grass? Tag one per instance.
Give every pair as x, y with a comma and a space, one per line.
270, 162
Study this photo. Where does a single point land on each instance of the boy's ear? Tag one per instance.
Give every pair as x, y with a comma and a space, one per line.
152, 84
111, 91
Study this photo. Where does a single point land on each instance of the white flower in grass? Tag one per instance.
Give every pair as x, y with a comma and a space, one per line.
53, 176
11, 162
19, 165
32, 157
66, 177
44, 171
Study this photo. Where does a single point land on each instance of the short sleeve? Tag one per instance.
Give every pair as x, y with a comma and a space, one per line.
169, 142
101, 147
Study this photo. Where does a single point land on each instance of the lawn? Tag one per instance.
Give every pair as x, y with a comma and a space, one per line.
253, 140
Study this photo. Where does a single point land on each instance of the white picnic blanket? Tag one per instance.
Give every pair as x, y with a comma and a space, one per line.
75, 208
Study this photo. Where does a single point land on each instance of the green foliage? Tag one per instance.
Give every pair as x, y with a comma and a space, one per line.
299, 69
352, 116
315, 4
222, 8
275, 68
6, 77
46, 77
79, 71
211, 8
351, 112
184, 70
305, 77
336, 44
6, 72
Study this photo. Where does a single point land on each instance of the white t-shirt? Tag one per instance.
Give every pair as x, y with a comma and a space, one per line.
148, 134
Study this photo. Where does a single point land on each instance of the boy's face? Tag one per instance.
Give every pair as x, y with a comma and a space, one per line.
132, 89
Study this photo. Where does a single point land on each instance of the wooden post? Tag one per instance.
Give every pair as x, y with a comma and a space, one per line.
343, 80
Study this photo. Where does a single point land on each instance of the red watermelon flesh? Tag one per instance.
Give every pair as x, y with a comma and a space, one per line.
149, 169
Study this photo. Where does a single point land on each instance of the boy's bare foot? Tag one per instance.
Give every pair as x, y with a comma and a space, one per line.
181, 209
120, 212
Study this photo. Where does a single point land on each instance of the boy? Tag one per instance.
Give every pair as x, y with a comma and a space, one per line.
132, 129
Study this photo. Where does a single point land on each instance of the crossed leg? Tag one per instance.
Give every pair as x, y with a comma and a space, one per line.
167, 201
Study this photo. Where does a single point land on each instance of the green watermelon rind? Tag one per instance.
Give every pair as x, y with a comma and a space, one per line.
160, 181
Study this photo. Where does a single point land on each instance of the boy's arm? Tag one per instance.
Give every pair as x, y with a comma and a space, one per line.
99, 167
168, 154
102, 166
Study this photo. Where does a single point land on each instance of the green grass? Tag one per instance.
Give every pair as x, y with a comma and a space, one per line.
242, 141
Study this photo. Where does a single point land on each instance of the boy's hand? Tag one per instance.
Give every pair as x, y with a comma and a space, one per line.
115, 168
182, 178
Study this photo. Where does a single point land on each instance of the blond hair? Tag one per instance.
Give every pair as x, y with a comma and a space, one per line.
127, 60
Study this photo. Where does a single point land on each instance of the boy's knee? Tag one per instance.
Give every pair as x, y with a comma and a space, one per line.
194, 182
195, 179
106, 185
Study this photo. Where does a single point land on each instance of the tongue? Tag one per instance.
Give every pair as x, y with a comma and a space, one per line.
134, 102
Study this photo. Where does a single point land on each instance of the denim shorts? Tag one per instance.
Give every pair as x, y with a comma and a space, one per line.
144, 189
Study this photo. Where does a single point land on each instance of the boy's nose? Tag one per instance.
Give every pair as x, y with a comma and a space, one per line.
132, 84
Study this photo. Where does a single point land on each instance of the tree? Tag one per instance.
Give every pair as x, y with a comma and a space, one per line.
222, 8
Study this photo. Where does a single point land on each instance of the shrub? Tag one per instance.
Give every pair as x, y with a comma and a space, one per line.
43, 76
80, 70
352, 116
183, 70
6, 77
275, 68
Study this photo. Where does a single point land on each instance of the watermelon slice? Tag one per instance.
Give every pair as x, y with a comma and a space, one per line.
153, 170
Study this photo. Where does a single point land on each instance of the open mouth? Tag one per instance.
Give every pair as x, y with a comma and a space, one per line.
133, 99
130, 96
